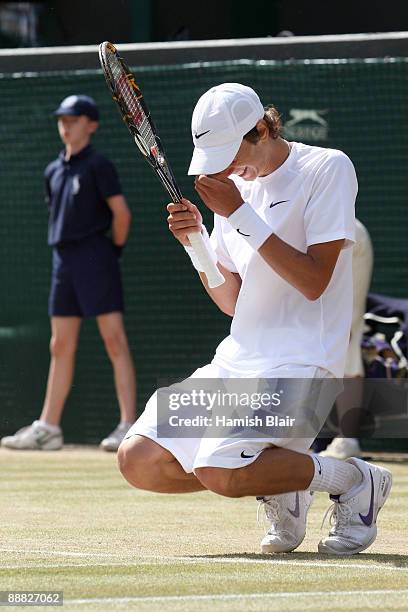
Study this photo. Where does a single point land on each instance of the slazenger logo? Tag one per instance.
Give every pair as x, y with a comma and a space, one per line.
306, 125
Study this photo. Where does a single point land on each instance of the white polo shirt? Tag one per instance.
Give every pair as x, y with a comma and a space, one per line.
308, 200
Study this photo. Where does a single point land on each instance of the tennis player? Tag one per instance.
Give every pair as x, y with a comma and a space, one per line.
85, 201
283, 227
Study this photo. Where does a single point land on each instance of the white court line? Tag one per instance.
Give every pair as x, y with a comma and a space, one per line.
62, 553
227, 596
69, 565
162, 560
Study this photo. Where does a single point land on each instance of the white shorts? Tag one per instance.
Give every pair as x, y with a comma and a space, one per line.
193, 453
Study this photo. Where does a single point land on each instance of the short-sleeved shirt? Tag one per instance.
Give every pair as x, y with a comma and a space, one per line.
76, 191
308, 200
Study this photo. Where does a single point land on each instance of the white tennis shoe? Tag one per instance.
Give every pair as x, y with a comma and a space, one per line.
354, 514
287, 515
34, 437
342, 448
112, 441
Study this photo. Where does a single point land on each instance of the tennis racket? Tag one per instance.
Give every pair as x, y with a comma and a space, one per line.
136, 115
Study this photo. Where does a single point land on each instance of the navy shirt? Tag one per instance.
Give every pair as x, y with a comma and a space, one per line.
76, 191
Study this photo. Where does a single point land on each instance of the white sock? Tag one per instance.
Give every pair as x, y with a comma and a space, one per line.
49, 427
333, 475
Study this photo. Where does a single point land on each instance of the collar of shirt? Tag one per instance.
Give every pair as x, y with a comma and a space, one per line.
78, 156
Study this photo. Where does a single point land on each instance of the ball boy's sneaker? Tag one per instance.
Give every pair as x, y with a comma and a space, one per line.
342, 448
354, 514
34, 437
112, 441
286, 515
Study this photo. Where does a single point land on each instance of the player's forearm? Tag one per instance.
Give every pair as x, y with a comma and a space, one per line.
299, 269
226, 295
120, 227
309, 272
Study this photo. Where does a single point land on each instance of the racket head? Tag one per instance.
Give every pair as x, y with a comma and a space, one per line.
135, 113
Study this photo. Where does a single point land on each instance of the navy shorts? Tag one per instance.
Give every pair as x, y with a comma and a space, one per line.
86, 279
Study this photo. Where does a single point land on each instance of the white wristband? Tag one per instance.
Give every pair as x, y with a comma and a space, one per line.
192, 254
250, 226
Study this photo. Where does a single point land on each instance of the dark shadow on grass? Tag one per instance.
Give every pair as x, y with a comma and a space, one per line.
398, 459
393, 560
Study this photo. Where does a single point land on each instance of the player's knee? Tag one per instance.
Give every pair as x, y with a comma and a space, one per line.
139, 462
133, 465
219, 480
115, 344
60, 345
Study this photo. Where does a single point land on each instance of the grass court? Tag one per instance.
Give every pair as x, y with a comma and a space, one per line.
70, 522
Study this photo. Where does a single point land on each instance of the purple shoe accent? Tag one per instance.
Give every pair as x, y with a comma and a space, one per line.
296, 512
368, 518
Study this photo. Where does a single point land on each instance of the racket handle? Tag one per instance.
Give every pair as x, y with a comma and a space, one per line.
214, 276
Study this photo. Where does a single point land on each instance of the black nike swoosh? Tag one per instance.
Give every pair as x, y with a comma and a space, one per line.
202, 134
276, 203
242, 234
296, 511
244, 456
368, 518
320, 467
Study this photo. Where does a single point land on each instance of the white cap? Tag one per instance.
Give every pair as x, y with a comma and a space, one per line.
221, 118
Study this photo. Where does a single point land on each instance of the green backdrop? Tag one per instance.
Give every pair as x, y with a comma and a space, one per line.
359, 106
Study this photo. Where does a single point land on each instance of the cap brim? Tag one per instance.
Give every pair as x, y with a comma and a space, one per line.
210, 160
64, 111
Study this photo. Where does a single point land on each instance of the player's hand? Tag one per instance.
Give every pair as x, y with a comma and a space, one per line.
184, 218
219, 193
